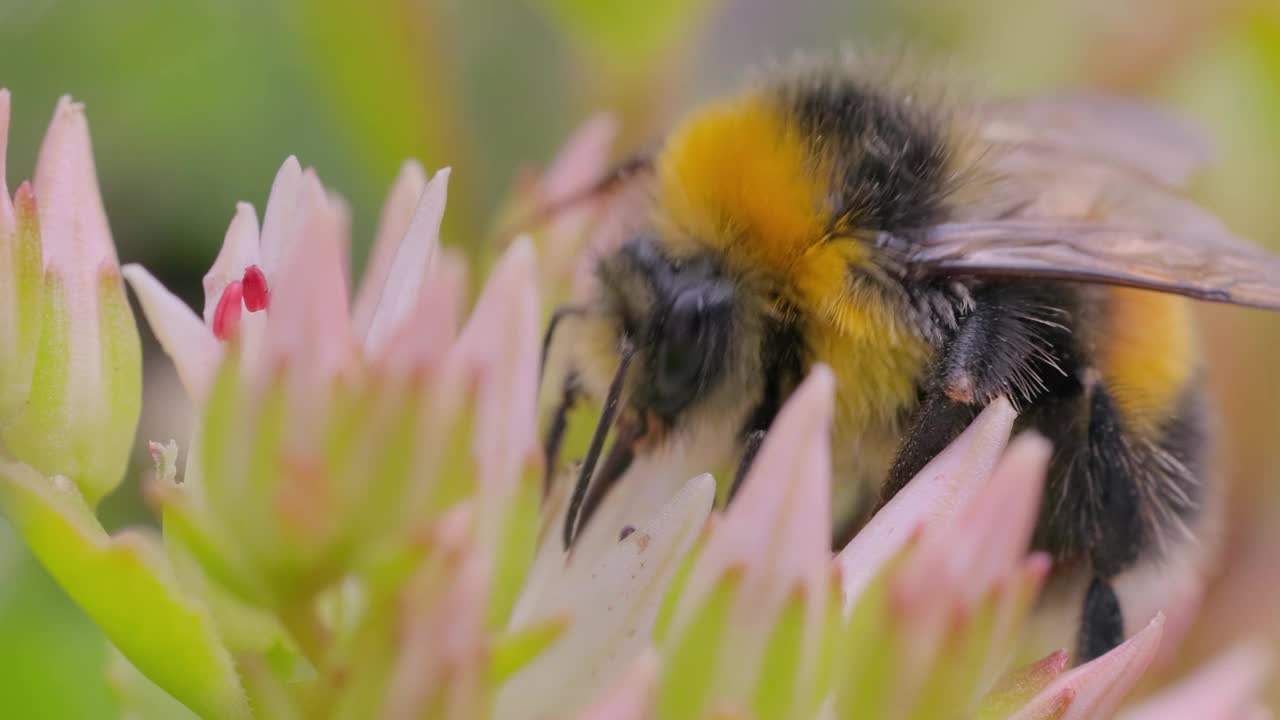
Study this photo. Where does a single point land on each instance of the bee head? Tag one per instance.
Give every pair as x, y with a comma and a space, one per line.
679, 314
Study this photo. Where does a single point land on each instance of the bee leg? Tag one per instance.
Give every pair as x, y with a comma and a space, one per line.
1110, 504
784, 371
1101, 622
939, 420
1096, 505
750, 446
555, 433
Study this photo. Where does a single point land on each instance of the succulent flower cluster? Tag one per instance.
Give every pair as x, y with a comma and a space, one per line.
359, 531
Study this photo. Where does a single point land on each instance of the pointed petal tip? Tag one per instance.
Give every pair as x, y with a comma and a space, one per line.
823, 380
1100, 685
67, 106
521, 250
1226, 687
411, 169
943, 489
73, 223
194, 350
405, 260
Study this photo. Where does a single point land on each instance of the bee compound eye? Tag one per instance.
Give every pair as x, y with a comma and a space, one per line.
682, 348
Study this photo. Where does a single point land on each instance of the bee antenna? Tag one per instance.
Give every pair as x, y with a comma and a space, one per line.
597, 444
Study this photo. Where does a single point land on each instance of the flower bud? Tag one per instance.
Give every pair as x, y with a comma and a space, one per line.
85, 392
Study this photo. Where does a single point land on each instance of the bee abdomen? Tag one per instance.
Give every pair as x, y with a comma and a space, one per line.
1116, 493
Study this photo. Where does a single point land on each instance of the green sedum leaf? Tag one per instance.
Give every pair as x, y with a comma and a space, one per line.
137, 698
125, 585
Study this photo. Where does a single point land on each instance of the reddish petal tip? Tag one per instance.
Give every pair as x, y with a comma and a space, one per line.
1101, 684
25, 197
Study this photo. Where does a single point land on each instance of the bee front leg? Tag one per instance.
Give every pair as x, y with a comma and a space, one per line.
1010, 344
939, 420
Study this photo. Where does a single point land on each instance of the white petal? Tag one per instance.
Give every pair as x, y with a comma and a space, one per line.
239, 251
613, 606
188, 342
408, 273
939, 490
397, 213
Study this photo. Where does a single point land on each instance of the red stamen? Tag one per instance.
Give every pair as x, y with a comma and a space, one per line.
257, 296
226, 317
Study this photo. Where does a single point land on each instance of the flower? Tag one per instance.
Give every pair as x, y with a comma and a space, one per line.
70, 370
357, 532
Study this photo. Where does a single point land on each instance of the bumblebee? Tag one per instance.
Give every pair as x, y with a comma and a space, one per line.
936, 253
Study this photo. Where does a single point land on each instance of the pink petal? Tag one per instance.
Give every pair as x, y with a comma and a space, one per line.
338, 205
187, 341
397, 212
778, 527
7, 223
501, 343
940, 490
581, 163
989, 537
280, 217
77, 245
633, 697
442, 651
1226, 688
309, 323
239, 251
777, 531
409, 270
1099, 686
435, 318
73, 223
583, 160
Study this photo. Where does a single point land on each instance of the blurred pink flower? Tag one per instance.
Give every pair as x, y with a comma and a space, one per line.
70, 363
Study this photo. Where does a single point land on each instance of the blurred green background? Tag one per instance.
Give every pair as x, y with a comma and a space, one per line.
193, 105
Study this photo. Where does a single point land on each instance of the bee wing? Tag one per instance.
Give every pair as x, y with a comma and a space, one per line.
1210, 266
1122, 134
